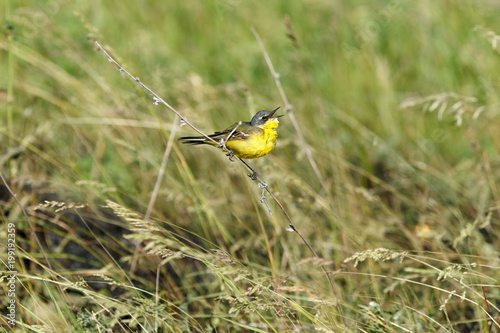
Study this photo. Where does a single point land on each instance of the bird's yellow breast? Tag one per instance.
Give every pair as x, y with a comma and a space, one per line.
260, 141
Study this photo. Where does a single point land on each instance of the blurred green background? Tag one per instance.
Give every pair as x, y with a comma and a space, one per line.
397, 102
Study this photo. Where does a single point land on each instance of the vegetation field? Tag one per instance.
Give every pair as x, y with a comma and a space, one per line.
387, 165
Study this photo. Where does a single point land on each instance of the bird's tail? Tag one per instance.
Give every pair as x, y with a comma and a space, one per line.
194, 140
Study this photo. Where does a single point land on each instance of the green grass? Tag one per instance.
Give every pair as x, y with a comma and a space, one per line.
366, 81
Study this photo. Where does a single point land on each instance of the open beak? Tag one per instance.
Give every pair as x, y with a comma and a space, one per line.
274, 111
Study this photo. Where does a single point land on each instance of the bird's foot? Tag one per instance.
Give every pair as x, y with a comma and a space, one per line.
230, 154
253, 175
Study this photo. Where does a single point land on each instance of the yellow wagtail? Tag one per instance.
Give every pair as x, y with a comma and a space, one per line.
245, 139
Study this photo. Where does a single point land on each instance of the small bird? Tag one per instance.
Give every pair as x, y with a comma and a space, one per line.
245, 139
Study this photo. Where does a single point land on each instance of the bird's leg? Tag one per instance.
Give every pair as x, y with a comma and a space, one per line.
230, 153
253, 174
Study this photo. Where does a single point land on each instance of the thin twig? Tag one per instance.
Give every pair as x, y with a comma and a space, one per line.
486, 300
157, 99
156, 189
224, 142
263, 198
162, 169
327, 272
288, 109
232, 132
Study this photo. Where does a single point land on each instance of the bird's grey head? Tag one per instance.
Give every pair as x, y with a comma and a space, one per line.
262, 117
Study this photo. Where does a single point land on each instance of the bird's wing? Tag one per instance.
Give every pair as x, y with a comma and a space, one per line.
242, 132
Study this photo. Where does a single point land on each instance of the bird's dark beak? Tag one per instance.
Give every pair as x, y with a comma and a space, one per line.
274, 111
